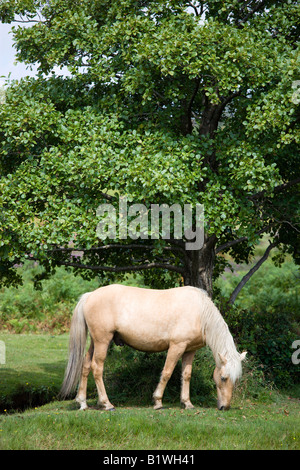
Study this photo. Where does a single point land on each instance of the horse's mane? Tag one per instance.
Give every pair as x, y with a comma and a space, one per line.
218, 337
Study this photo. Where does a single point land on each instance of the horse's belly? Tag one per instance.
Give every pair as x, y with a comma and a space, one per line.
144, 341
146, 346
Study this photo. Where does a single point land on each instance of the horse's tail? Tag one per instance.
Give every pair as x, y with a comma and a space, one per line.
77, 342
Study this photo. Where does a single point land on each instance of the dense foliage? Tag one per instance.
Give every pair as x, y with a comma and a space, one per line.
168, 102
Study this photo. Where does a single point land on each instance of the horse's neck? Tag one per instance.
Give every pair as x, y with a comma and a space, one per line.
218, 337
220, 341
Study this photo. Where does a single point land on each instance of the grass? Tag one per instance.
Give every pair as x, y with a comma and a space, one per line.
247, 425
36, 363
33, 370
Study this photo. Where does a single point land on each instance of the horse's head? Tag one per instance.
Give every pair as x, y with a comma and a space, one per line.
225, 375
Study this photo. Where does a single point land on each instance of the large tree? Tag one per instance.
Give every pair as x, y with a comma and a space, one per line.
177, 102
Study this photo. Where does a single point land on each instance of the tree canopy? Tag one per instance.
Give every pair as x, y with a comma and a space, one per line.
177, 102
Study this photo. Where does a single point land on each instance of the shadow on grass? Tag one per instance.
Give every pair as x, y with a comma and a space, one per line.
21, 390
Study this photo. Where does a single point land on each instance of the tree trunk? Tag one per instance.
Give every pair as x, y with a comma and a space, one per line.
200, 265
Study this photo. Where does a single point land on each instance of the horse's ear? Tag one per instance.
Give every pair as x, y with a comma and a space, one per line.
243, 355
222, 359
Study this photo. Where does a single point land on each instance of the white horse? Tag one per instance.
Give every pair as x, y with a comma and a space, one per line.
180, 320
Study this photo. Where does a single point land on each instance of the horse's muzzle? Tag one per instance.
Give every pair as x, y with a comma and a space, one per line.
223, 408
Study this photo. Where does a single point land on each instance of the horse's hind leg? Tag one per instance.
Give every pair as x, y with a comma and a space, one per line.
174, 353
187, 360
81, 394
99, 356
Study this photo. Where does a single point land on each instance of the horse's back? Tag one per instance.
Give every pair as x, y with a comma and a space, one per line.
146, 319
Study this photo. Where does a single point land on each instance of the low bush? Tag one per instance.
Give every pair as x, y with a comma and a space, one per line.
268, 338
265, 318
25, 309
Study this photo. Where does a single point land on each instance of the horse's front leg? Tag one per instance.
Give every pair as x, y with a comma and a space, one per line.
174, 353
187, 360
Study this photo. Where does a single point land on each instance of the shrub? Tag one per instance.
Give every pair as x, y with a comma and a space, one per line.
268, 337
26, 309
265, 317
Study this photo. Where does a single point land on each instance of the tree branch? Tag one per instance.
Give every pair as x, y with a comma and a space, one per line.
190, 106
212, 113
246, 278
254, 10
277, 189
286, 185
108, 197
131, 246
194, 7
119, 269
239, 240
229, 244
26, 21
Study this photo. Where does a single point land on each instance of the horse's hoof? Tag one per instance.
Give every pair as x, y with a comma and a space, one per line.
111, 409
187, 406
83, 407
158, 407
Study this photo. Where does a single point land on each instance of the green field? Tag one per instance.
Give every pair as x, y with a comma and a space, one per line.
246, 426
34, 370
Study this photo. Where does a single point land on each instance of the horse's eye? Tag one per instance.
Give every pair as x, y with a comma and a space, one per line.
223, 379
